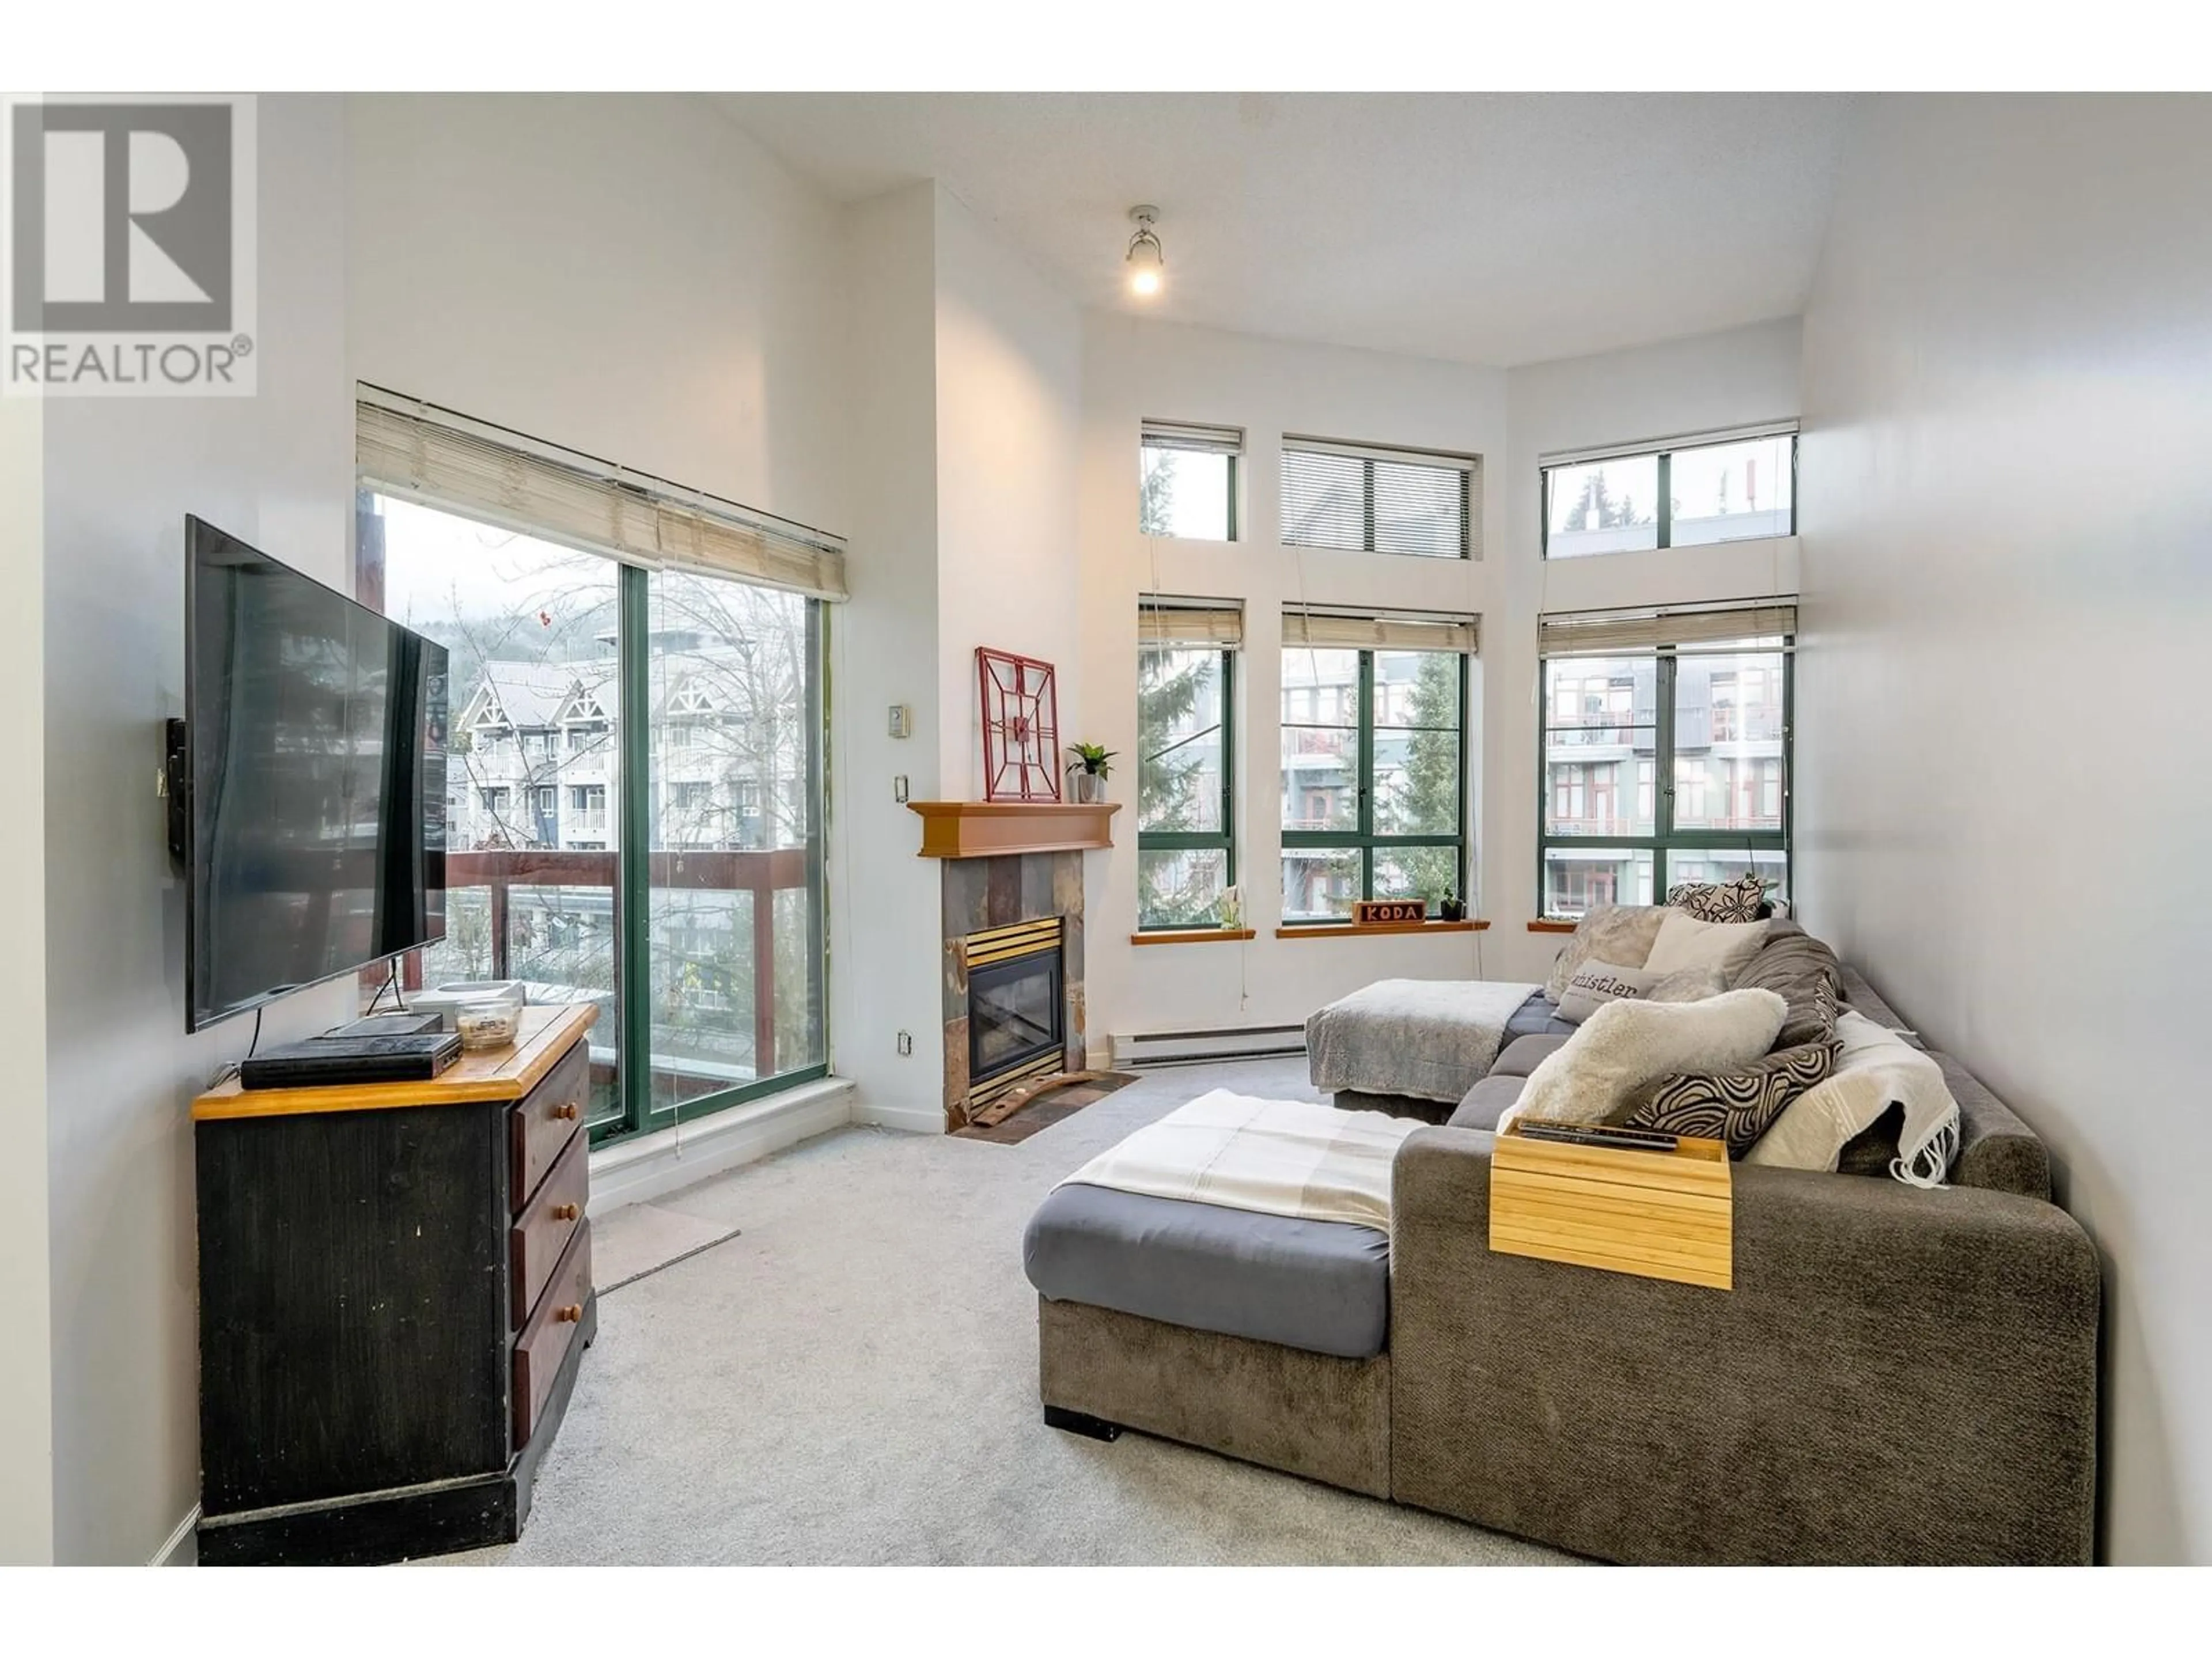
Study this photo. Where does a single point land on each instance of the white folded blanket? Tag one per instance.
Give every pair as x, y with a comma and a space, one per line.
1277, 1156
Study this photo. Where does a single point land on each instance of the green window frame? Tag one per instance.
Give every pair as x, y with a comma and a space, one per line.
1666, 842
1662, 516
1168, 439
633, 1110
1222, 840
1363, 838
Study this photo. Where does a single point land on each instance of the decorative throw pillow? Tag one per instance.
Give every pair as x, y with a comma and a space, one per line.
1596, 983
1688, 985
1611, 932
1683, 941
1807, 974
1719, 901
1735, 1106
1624, 1045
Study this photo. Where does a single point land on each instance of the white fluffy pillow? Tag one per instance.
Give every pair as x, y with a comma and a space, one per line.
1624, 1045
1683, 941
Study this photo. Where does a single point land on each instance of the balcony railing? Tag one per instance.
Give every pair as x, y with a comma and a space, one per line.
761, 875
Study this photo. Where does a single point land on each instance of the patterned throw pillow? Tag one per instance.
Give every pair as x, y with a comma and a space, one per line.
1708, 901
1736, 1107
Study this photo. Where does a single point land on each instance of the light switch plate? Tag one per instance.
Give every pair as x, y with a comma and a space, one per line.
898, 788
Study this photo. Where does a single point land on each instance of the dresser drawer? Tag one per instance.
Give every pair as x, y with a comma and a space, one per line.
545, 1340
544, 1229
542, 1121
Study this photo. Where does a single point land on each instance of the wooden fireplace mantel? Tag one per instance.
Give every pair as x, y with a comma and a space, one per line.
991, 828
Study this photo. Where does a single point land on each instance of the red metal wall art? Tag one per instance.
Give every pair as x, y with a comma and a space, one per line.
1021, 726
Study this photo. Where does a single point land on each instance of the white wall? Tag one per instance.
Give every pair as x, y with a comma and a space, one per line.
884, 901
1708, 383
2001, 700
26, 1424
627, 276
120, 476
1008, 367
1132, 370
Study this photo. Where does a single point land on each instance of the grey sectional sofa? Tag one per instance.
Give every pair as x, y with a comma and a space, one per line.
1899, 1375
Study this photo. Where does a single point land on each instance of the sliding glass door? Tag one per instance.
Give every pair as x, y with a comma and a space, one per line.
635, 811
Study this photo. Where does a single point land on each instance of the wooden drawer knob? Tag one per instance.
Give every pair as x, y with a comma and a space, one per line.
567, 1110
566, 1213
569, 1315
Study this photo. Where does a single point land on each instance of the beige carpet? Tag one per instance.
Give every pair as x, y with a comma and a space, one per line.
853, 1379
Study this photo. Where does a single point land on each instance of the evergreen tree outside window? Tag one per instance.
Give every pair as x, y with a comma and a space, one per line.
1374, 748
1722, 489
1186, 764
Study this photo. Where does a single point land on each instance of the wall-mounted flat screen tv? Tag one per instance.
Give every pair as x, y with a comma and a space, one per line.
315, 731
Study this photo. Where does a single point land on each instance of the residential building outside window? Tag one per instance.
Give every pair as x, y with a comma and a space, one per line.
570, 670
1187, 480
1185, 761
1717, 489
1700, 699
1374, 767
1364, 499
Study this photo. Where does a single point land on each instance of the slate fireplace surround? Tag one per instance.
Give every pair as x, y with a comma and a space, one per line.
984, 895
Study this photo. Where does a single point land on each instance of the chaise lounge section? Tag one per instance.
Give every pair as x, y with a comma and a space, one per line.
1898, 1375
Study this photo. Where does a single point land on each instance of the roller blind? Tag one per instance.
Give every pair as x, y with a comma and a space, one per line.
1162, 621
1203, 440
1379, 630
1600, 632
418, 451
1667, 446
1365, 499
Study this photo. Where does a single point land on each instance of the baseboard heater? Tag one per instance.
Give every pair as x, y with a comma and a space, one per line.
1186, 1047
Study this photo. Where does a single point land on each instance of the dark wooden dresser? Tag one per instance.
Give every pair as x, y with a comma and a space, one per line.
395, 1296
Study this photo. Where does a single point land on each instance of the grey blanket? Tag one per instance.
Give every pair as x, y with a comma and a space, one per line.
1431, 1038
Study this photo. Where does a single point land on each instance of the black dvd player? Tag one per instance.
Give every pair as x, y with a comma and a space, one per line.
325, 1060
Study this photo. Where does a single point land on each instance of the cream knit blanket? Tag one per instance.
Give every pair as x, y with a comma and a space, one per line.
1277, 1156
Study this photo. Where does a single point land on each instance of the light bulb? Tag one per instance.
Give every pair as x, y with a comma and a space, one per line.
1145, 281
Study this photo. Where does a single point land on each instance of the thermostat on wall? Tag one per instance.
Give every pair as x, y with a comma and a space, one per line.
901, 721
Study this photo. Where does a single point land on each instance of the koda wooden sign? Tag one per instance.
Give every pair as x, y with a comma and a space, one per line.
1387, 913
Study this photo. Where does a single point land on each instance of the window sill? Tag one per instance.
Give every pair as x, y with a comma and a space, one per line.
1190, 935
1546, 926
1345, 930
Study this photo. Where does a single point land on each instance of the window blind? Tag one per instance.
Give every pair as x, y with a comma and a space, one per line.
1666, 446
1203, 440
421, 453
1365, 499
1600, 633
1379, 630
1162, 621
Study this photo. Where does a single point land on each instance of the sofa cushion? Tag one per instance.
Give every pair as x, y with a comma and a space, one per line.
1740, 899
1523, 1055
1808, 976
1596, 983
1624, 1045
1485, 1102
1737, 1106
1683, 941
1538, 1017
1612, 932
1321, 1285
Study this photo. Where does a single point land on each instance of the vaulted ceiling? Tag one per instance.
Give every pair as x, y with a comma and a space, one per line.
1488, 228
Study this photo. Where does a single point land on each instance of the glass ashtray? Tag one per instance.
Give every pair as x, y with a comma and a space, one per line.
487, 1024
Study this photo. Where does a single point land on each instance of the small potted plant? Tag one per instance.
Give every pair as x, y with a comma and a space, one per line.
1092, 765
1452, 907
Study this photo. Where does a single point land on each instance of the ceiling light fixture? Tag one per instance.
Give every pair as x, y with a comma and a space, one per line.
1147, 262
